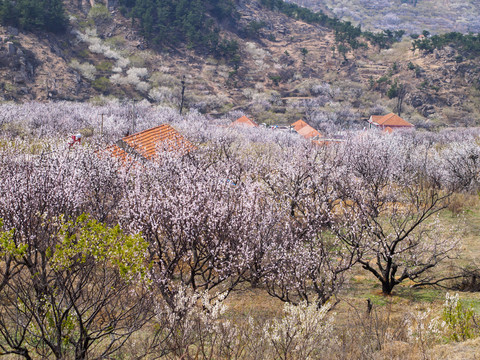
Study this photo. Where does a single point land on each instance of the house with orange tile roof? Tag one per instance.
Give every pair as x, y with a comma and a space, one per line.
389, 122
245, 122
147, 145
306, 130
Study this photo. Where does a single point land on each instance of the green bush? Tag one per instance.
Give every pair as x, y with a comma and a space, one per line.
101, 84
104, 66
99, 13
393, 90
459, 319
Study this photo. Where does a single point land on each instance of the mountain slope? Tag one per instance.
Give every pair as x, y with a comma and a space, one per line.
283, 70
414, 16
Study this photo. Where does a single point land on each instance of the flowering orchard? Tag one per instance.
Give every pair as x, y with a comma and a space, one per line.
95, 253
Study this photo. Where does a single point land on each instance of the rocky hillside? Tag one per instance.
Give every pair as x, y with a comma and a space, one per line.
283, 69
414, 16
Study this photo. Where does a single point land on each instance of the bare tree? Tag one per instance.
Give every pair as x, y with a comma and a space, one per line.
390, 199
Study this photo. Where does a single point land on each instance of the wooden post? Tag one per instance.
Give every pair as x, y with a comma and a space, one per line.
134, 116
183, 95
101, 127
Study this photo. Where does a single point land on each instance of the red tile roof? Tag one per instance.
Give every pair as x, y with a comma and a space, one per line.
149, 143
297, 125
244, 121
305, 130
161, 138
376, 118
391, 120
118, 153
308, 132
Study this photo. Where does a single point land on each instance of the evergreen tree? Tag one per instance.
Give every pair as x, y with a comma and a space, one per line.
34, 14
169, 22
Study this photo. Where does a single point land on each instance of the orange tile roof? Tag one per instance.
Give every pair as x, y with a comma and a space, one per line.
161, 138
119, 153
376, 118
388, 130
148, 143
305, 130
309, 132
244, 121
390, 120
297, 125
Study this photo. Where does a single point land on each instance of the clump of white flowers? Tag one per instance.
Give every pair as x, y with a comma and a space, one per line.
135, 77
162, 94
87, 70
98, 46
304, 331
456, 323
424, 328
189, 318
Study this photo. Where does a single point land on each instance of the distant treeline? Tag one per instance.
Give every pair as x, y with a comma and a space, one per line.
345, 31
468, 44
183, 21
46, 15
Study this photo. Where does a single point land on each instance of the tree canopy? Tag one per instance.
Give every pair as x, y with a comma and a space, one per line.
34, 14
172, 22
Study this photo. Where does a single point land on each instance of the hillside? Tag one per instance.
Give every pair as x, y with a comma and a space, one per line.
147, 211
264, 63
414, 16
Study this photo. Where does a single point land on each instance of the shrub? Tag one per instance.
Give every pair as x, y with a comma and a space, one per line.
393, 91
459, 319
87, 70
99, 13
275, 78
104, 66
101, 84
142, 86
302, 333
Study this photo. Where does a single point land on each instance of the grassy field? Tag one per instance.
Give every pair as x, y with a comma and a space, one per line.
389, 315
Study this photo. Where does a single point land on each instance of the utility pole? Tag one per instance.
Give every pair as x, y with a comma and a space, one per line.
183, 94
134, 117
101, 126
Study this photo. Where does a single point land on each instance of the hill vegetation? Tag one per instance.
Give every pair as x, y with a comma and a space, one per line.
413, 16
172, 22
468, 45
273, 60
32, 15
241, 246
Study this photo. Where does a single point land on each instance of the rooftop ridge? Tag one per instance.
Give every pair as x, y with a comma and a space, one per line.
129, 149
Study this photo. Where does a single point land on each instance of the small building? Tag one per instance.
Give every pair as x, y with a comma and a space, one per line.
389, 122
308, 132
244, 122
148, 144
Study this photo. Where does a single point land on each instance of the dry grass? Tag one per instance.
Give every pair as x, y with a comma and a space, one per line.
467, 350
382, 332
